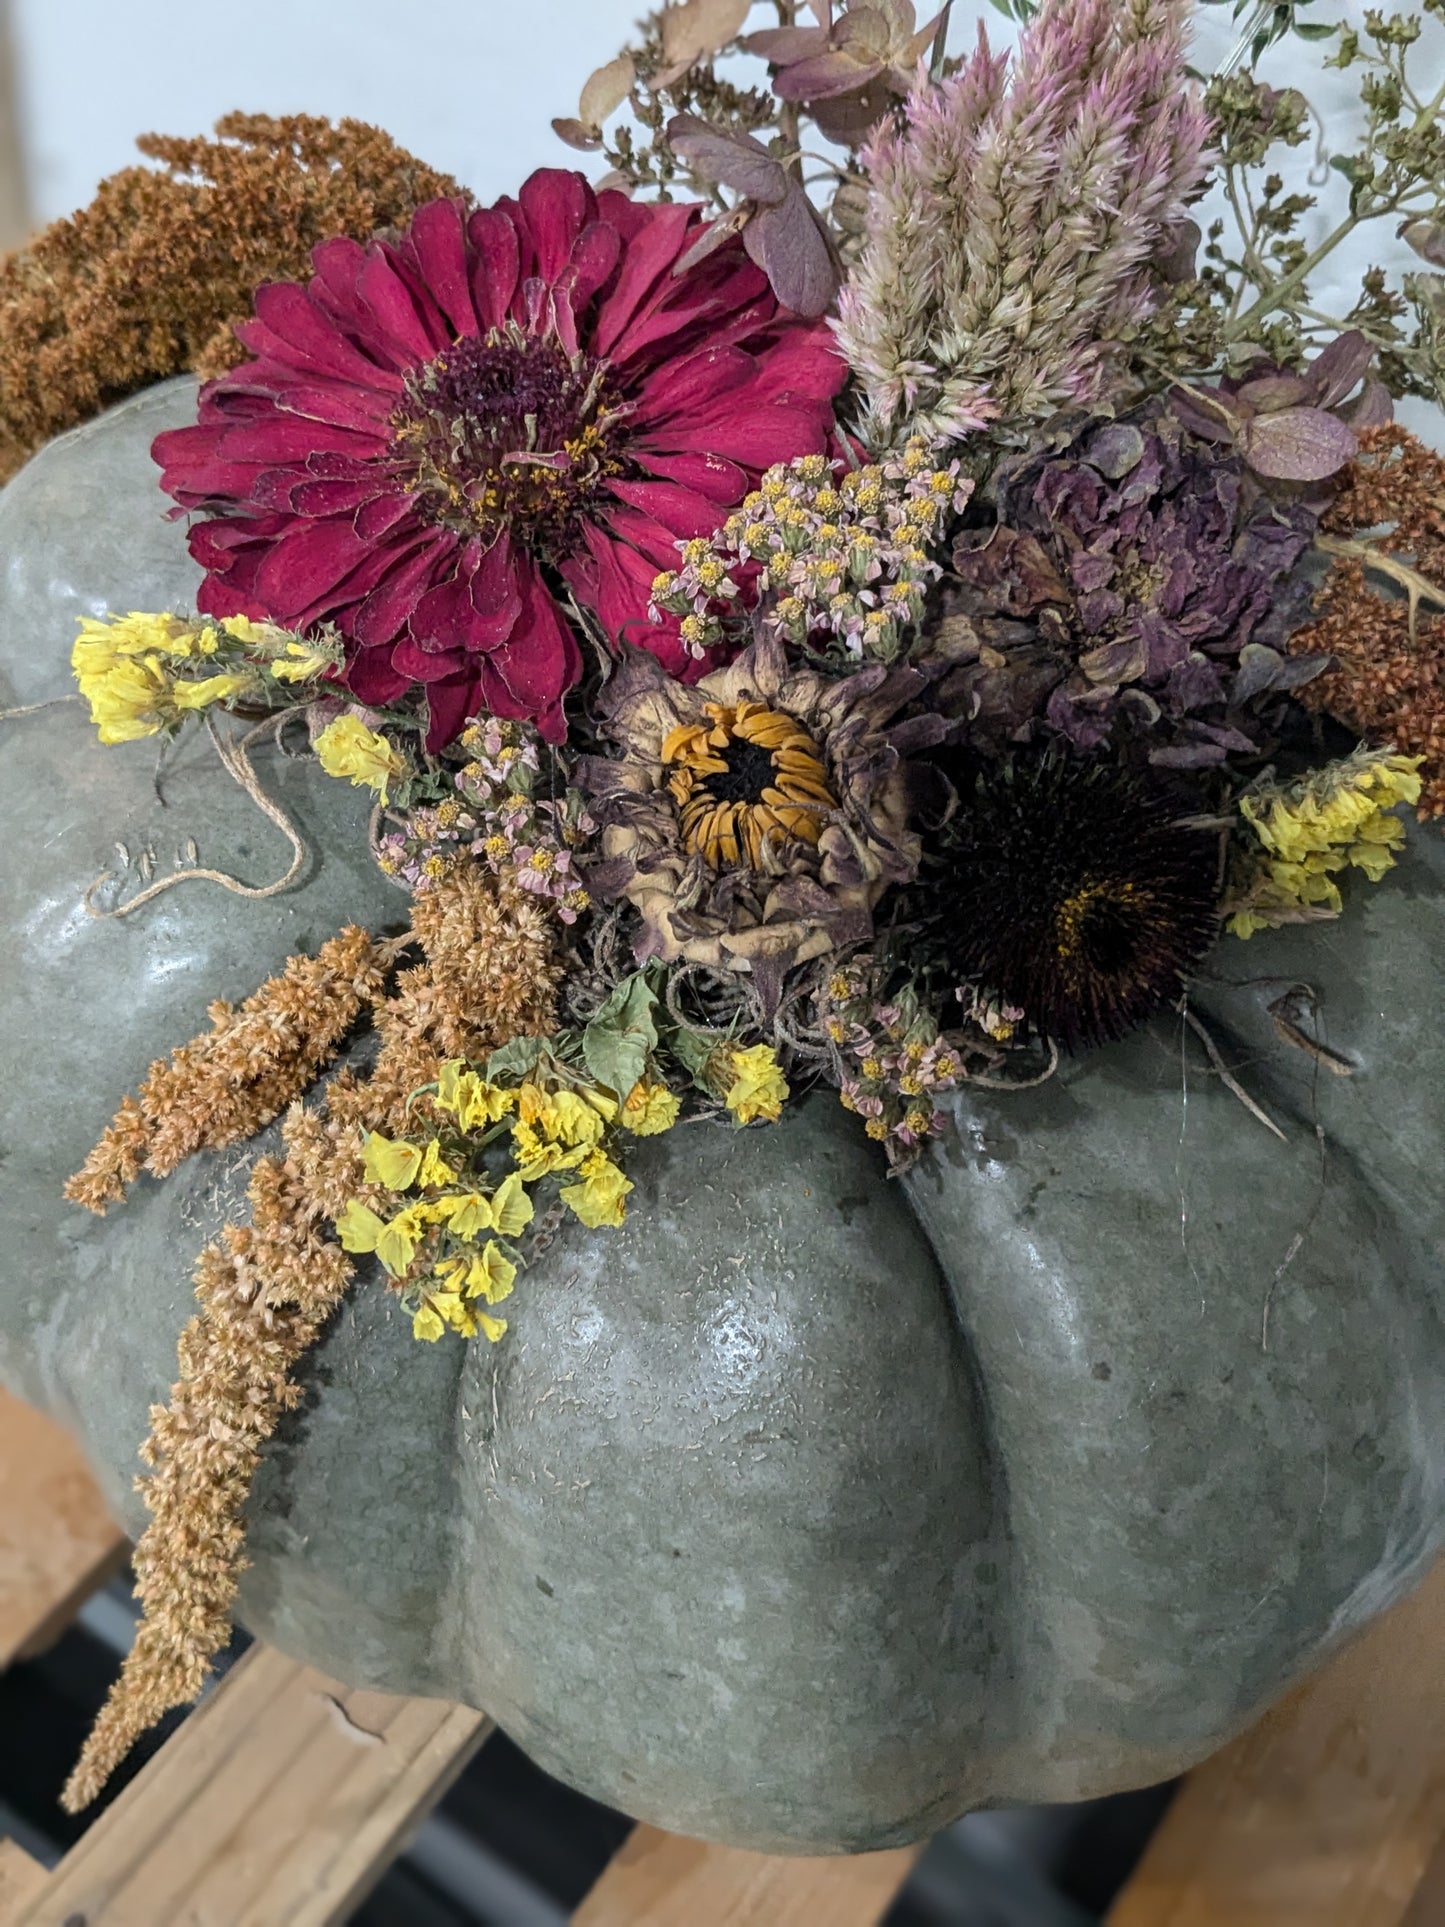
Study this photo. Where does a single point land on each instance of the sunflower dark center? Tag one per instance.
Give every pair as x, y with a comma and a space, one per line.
750, 770
507, 432
1074, 891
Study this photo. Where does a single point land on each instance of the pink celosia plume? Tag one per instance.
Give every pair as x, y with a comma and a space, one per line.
1012, 220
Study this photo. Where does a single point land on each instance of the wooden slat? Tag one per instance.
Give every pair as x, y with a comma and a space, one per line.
278, 1803
1327, 1814
21, 1879
1427, 1909
57, 1542
662, 1880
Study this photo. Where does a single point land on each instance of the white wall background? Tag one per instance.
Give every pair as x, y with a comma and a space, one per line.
469, 85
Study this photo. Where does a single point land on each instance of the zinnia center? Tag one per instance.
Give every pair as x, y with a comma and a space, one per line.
507, 433
747, 779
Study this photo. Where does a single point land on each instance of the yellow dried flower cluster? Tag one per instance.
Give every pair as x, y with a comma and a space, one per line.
445, 1196
347, 748
143, 674
751, 1082
1336, 818
137, 674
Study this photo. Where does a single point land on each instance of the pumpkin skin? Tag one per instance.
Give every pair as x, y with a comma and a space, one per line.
809, 1509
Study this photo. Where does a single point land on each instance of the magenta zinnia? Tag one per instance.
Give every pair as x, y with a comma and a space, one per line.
441, 437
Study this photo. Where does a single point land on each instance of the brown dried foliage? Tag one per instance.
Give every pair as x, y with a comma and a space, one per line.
266, 1289
1388, 682
151, 278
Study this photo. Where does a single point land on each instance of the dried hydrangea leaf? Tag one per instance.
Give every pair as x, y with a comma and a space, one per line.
1297, 445
603, 92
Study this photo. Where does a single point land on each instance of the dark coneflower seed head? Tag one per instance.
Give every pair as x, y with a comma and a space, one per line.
1072, 889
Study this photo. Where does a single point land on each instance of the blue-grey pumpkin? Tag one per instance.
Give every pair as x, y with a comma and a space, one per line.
810, 1508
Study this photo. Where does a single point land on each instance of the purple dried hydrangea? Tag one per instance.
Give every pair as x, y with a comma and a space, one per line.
1137, 590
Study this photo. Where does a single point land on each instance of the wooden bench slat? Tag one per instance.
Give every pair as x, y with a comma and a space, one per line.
21, 1878
58, 1544
1329, 1812
279, 1803
663, 1880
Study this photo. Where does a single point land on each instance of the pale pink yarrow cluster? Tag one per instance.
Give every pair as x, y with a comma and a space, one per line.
893, 1062
498, 817
840, 557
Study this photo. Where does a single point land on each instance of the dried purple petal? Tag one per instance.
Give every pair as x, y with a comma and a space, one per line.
1158, 589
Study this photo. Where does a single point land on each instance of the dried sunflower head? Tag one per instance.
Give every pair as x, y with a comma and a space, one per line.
755, 818
1074, 890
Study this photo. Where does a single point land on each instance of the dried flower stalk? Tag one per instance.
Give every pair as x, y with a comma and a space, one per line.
151, 278
1012, 221
266, 1289
232, 1082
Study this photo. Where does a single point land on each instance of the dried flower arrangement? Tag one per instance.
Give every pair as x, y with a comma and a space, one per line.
875, 631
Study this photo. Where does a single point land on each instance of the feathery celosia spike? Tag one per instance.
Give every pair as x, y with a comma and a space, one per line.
231, 1082
1011, 222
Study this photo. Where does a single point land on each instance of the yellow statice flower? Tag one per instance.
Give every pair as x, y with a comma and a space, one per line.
508, 1211
1336, 818
427, 1322
758, 1087
361, 1230
490, 1275
435, 1171
441, 1311
472, 1101
390, 1163
561, 1116
288, 658
537, 1156
397, 1241
597, 1198
138, 634
650, 1109
211, 689
359, 1227
126, 669
348, 748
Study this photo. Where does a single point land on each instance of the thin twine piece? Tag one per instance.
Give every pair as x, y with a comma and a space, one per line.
982, 1081
237, 764
1226, 1076
34, 709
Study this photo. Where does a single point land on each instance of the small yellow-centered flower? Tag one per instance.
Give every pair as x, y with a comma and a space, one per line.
650, 1109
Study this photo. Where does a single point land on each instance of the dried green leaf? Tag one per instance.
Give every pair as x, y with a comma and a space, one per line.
619, 1039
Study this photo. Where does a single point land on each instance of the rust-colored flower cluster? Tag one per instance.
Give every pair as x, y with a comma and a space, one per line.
266, 1289
231, 1082
152, 277
1389, 648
